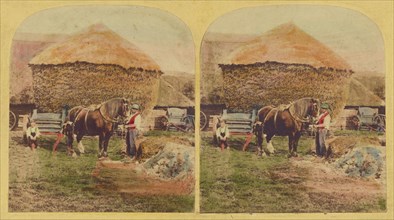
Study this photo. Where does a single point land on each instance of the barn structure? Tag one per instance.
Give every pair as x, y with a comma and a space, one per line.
359, 97
93, 66
281, 66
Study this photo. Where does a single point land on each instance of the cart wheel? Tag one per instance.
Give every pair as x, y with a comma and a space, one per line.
203, 121
380, 122
189, 123
13, 122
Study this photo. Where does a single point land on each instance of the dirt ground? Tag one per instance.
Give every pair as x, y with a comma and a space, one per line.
131, 178
325, 181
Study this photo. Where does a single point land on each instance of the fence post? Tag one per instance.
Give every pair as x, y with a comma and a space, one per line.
34, 116
64, 114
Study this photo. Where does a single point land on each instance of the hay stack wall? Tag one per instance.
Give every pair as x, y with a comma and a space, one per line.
91, 67
84, 83
281, 66
272, 83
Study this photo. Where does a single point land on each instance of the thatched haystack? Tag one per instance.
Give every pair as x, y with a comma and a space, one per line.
91, 67
281, 66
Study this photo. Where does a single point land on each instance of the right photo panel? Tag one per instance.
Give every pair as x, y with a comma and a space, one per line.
294, 102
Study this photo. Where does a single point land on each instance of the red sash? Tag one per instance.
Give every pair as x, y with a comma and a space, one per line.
132, 120
321, 119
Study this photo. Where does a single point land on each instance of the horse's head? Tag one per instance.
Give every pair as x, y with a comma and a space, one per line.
123, 109
314, 108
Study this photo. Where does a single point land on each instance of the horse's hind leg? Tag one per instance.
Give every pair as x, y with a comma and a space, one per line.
80, 146
270, 147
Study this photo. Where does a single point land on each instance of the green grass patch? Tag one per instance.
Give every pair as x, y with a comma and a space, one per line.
237, 182
62, 176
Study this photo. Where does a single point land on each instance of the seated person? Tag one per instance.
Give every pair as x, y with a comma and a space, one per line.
33, 133
222, 134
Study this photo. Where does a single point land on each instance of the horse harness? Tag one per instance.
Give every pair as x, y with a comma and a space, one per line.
282, 108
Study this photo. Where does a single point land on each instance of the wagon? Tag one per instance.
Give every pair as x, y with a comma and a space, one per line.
48, 123
177, 119
239, 122
369, 119
18, 111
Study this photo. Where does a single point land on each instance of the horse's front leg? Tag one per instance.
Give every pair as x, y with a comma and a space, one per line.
291, 144
106, 141
295, 143
101, 141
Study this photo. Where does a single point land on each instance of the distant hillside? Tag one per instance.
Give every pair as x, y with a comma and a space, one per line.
215, 48
375, 82
360, 95
24, 47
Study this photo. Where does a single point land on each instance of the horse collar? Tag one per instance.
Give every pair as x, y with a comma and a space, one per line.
295, 116
108, 119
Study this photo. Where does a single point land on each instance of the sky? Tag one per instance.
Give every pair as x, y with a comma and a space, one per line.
161, 35
350, 34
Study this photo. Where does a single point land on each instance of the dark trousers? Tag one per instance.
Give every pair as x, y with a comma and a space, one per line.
223, 142
320, 142
31, 141
131, 139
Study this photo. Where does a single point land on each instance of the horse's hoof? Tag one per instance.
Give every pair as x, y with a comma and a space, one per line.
105, 154
98, 155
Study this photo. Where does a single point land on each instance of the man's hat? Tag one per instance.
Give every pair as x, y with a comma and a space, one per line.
325, 106
135, 106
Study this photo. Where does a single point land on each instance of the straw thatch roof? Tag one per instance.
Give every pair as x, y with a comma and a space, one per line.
287, 44
97, 45
170, 96
359, 95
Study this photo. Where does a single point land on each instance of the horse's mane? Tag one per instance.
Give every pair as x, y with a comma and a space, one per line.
111, 107
299, 108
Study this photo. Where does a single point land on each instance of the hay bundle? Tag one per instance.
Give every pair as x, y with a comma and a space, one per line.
83, 83
249, 86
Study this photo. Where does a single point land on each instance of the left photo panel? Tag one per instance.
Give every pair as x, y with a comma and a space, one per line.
102, 112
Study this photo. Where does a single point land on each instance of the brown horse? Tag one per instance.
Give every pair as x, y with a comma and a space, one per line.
96, 120
286, 121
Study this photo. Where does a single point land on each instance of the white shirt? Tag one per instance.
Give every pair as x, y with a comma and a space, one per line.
32, 130
223, 130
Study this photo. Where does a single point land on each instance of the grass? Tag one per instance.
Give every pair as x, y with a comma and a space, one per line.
63, 178
235, 181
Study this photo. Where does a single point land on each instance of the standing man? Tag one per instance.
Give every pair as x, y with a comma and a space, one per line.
133, 127
323, 127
